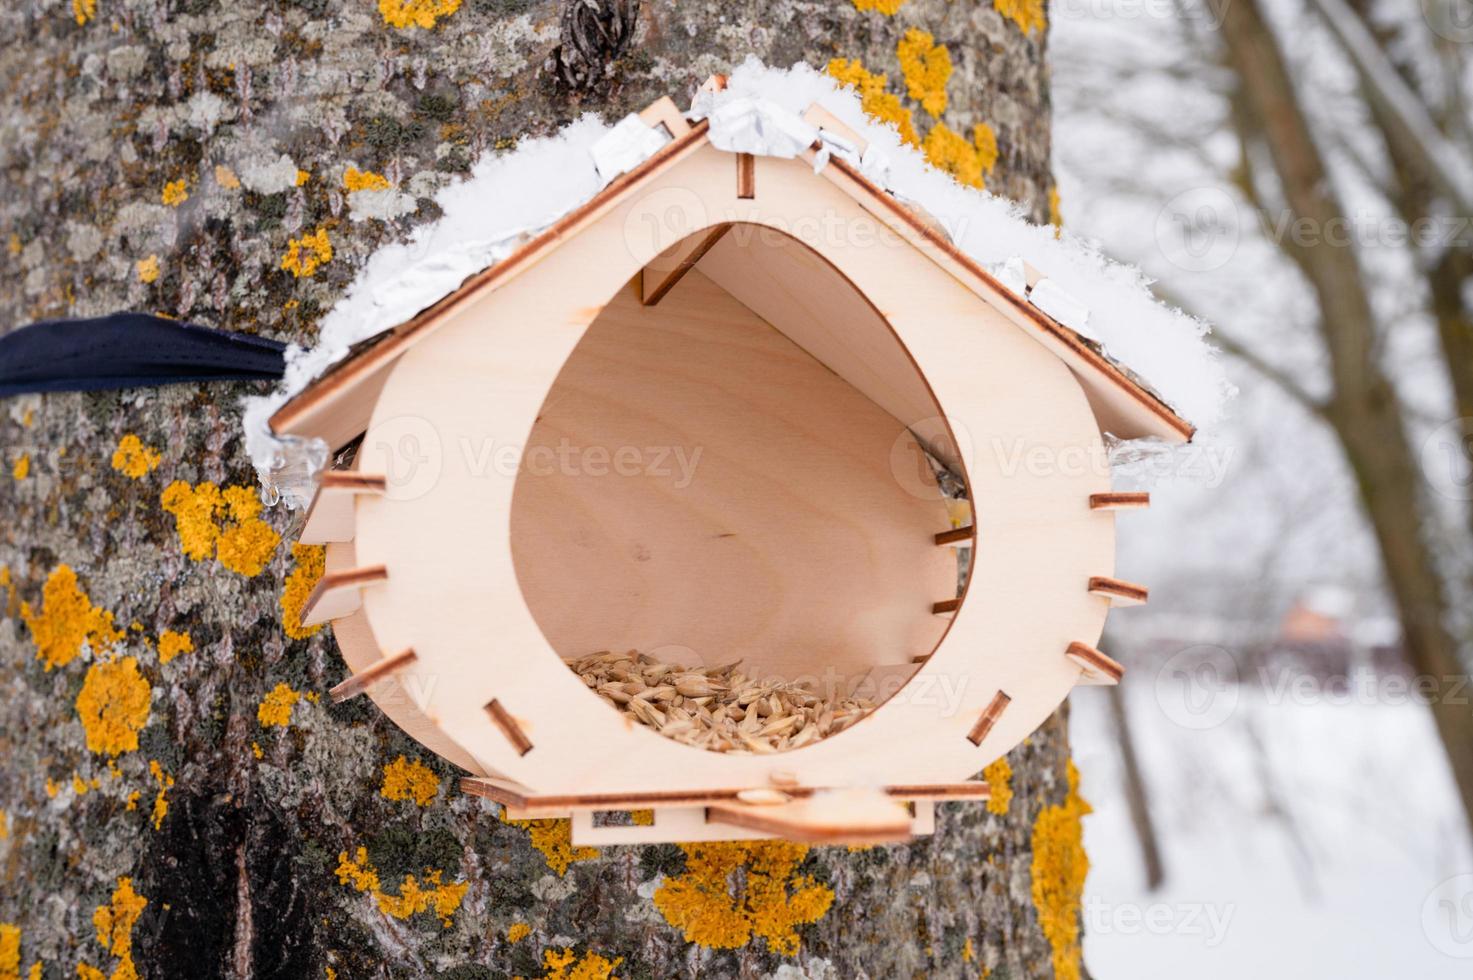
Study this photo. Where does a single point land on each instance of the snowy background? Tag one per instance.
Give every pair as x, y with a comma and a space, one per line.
1305, 812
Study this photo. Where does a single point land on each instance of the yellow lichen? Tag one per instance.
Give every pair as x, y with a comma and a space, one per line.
194, 516
878, 102
969, 952
4, 825
171, 644
83, 10
926, 67
52, 787
413, 897
405, 780
22, 467
554, 838
132, 458
226, 524
642, 818
256, 750
1055, 215
160, 802
246, 542
416, 13
708, 906
276, 707
364, 180
113, 705
148, 269
175, 193
1059, 868
67, 618
9, 951
133, 800
226, 178
1029, 15
114, 923
887, 7
949, 151
985, 140
79, 785
999, 777
566, 965
302, 177
305, 255
311, 562
517, 931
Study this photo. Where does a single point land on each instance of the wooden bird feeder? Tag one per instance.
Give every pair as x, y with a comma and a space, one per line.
803, 337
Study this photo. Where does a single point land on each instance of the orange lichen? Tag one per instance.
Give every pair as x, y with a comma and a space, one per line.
276, 707
642, 818
226, 178
1029, 15
364, 180
518, 931
878, 102
148, 269
416, 13
566, 965
713, 910
160, 802
311, 562
114, 923
302, 177
554, 838
83, 10
132, 458
171, 644
305, 255
405, 780
926, 67
22, 467
194, 516
1055, 215
1058, 870
999, 777
887, 7
413, 897
67, 619
949, 151
246, 542
256, 750
985, 140
175, 193
224, 523
113, 705
9, 951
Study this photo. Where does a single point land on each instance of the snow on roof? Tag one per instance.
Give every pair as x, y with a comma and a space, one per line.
510, 197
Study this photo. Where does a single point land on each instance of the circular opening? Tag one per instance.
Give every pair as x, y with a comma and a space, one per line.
724, 520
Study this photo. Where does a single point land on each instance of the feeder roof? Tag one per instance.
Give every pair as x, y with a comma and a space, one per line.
631, 155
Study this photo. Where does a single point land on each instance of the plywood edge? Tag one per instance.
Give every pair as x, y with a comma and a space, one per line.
1095, 667
666, 269
1120, 500
330, 515
1119, 591
511, 794
337, 593
847, 817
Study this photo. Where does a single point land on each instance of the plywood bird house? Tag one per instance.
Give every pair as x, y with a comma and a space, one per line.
712, 415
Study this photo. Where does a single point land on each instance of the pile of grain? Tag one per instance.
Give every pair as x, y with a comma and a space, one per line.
716, 708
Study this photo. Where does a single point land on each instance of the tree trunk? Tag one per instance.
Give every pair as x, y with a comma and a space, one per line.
172, 766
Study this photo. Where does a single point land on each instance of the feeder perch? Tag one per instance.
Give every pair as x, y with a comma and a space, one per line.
702, 417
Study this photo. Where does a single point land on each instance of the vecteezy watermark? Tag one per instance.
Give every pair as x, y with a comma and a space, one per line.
1447, 917
660, 218
1208, 921
410, 453
1450, 19
1207, 464
1201, 228
911, 463
1447, 459
1197, 688
1095, 11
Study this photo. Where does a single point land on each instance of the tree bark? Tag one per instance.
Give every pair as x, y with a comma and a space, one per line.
163, 155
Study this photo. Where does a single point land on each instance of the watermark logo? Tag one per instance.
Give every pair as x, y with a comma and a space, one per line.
1447, 917
1197, 688
1447, 459
407, 450
1450, 19
1204, 920
661, 218
1199, 229
911, 465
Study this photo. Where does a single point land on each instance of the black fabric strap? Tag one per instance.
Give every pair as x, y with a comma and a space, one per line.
128, 350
